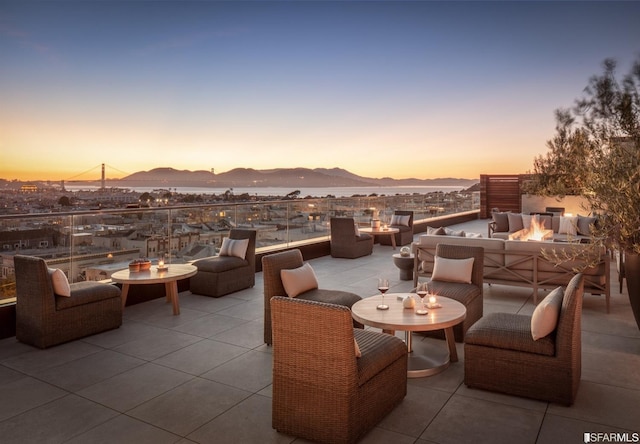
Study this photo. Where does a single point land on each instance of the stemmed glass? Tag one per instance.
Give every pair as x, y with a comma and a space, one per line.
422, 290
383, 287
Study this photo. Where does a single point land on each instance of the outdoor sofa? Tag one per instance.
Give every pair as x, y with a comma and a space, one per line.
522, 263
565, 228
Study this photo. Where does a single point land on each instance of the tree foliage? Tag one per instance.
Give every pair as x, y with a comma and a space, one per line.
596, 153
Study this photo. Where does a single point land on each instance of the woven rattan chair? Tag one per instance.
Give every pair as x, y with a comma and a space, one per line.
221, 275
321, 391
405, 235
345, 242
44, 318
500, 354
272, 264
469, 295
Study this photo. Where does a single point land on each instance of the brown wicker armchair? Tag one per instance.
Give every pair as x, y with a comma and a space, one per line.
44, 318
321, 391
405, 235
345, 242
272, 264
221, 275
470, 295
500, 354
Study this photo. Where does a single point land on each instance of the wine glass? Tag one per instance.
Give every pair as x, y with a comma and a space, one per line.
422, 291
383, 287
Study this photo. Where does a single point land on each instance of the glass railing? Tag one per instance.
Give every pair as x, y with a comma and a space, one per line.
91, 245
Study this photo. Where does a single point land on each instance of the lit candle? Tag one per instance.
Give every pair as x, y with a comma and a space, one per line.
161, 263
432, 300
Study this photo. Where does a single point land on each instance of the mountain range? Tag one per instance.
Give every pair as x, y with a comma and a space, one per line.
279, 177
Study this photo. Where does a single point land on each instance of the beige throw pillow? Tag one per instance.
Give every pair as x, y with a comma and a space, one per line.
234, 247
545, 316
60, 283
358, 352
298, 280
397, 219
452, 270
568, 225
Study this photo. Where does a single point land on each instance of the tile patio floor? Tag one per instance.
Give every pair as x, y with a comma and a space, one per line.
205, 376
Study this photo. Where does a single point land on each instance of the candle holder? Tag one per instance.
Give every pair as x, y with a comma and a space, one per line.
433, 303
162, 266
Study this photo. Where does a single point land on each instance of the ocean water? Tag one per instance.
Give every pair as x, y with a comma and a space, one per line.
281, 191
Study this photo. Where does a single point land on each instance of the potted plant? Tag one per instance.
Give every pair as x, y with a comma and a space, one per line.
596, 153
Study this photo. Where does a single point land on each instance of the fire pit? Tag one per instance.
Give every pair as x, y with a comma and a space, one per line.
535, 232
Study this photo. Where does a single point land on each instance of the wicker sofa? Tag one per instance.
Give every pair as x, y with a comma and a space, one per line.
500, 353
44, 318
272, 265
521, 263
322, 391
221, 275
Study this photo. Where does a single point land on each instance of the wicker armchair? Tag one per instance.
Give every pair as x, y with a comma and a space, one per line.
221, 275
321, 391
44, 318
470, 295
345, 242
287, 260
500, 354
405, 235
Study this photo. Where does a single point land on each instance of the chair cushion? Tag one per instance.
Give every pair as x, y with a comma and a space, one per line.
60, 282
463, 293
234, 247
220, 264
584, 225
568, 225
452, 270
86, 293
298, 280
378, 351
515, 222
337, 297
545, 316
508, 331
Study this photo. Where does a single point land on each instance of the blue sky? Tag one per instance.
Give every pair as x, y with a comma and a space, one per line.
401, 89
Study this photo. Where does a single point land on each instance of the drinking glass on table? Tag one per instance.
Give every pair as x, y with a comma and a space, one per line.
383, 287
422, 291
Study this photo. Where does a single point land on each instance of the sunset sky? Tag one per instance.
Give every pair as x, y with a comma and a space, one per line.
401, 89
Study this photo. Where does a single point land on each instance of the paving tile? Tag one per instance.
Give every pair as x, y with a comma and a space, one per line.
25, 393
125, 430
55, 422
201, 357
251, 371
189, 406
36, 359
248, 335
127, 332
157, 345
247, 422
88, 370
556, 429
209, 325
465, 419
131, 388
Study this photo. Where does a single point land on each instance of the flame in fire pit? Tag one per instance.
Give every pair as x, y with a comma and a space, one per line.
535, 232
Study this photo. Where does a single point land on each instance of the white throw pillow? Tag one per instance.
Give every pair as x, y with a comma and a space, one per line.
298, 280
452, 270
568, 225
356, 229
397, 219
60, 283
234, 247
358, 352
545, 316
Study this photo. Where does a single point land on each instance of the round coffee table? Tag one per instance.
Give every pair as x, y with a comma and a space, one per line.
168, 277
397, 317
382, 232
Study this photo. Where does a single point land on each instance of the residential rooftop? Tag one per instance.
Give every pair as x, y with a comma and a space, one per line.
205, 375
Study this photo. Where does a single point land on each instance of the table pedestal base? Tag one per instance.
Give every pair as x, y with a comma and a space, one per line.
421, 365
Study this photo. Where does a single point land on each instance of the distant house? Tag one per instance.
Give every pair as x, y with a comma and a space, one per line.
28, 239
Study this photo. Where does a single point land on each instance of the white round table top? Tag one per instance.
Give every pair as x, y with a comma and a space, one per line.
397, 317
153, 276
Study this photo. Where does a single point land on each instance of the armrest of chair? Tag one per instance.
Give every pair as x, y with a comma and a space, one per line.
491, 227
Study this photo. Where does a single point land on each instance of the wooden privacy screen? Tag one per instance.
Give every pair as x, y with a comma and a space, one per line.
501, 191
